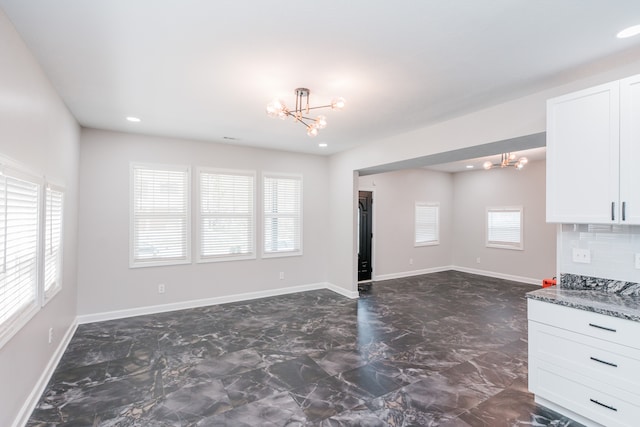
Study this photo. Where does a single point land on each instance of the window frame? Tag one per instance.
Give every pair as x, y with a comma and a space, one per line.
435, 242
497, 244
199, 216
158, 262
20, 318
265, 215
48, 294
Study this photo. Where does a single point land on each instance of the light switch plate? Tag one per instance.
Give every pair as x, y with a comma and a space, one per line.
638, 261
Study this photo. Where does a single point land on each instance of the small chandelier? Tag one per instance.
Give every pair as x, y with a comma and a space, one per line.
508, 159
278, 109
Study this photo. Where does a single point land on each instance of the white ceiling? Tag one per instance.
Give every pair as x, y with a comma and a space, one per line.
205, 69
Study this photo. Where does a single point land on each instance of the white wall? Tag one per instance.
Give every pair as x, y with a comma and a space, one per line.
395, 194
474, 191
106, 283
37, 131
519, 117
463, 198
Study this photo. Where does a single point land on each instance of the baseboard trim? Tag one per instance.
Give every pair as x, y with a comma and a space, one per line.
33, 398
153, 309
411, 273
521, 279
342, 291
494, 274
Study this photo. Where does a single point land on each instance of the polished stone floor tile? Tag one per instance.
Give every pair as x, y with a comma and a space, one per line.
328, 397
371, 380
444, 349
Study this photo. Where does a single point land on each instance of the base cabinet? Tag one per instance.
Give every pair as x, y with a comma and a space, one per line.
586, 363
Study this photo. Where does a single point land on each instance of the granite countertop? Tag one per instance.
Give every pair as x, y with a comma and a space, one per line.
607, 303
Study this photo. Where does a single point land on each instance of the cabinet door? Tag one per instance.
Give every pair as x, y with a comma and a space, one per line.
630, 149
583, 156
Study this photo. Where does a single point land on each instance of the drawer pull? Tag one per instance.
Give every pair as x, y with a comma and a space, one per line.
602, 404
602, 327
603, 361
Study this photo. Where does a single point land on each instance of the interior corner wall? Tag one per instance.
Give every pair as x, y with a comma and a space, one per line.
474, 192
107, 284
395, 194
38, 132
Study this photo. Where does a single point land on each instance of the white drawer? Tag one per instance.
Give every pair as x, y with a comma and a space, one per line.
587, 399
603, 361
613, 329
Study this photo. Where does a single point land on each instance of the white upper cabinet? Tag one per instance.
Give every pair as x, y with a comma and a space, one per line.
630, 150
593, 141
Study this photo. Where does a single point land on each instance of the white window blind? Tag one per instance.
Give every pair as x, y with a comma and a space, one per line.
19, 227
53, 240
160, 216
282, 215
504, 228
226, 223
427, 224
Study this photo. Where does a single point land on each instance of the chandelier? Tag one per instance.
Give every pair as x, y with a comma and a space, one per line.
508, 159
278, 109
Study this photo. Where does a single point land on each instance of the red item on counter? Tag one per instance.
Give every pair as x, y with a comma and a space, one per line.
548, 282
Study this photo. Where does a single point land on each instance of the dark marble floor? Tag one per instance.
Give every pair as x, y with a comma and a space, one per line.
443, 349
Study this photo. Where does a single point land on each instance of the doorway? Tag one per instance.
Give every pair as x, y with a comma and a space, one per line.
365, 235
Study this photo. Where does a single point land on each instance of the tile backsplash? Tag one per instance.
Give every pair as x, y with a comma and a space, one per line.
612, 250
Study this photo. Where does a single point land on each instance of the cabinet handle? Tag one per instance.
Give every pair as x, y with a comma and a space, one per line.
603, 361
603, 405
602, 327
613, 211
624, 211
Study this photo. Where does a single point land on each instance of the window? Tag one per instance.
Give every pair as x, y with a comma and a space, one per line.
226, 215
427, 224
19, 237
504, 227
160, 215
282, 204
52, 240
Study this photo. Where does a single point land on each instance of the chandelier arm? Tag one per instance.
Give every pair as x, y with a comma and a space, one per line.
320, 106
301, 120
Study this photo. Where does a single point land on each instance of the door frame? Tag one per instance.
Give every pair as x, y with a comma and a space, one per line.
373, 231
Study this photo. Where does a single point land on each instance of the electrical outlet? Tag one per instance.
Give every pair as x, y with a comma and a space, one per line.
282, 275
582, 256
638, 261
50, 335
161, 288
410, 261
478, 260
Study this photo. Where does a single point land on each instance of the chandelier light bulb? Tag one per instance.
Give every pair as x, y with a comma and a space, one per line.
338, 103
487, 165
312, 130
512, 156
276, 108
321, 122
523, 160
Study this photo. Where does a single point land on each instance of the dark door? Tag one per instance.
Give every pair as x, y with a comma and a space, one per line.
365, 234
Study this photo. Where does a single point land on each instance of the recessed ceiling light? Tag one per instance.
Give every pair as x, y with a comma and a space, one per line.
323, 145
469, 166
629, 32
133, 119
